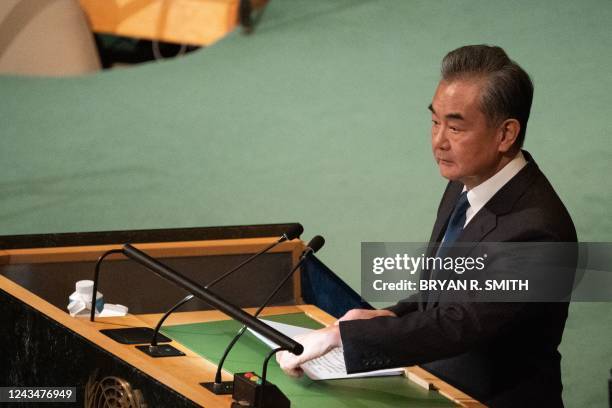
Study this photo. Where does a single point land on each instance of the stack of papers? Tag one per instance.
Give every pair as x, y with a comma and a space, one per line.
327, 367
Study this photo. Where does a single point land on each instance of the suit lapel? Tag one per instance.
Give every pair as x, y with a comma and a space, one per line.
478, 228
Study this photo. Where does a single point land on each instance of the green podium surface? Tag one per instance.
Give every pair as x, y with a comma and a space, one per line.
210, 339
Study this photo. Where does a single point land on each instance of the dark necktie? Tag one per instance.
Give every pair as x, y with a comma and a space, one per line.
453, 230
455, 224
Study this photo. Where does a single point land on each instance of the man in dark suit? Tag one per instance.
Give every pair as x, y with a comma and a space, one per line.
501, 353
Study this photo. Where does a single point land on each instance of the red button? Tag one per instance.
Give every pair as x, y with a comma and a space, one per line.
248, 375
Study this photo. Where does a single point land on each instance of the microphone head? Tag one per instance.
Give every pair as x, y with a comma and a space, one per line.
316, 243
298, 349
294, 232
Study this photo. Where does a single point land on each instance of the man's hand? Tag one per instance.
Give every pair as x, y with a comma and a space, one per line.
360, 314
316, 344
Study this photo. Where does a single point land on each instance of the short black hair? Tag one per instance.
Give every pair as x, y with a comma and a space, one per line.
508, 92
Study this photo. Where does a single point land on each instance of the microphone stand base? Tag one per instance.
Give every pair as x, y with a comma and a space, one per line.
161, 350
134, 335
222, 388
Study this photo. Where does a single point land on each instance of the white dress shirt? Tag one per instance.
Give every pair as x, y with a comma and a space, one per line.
482, 193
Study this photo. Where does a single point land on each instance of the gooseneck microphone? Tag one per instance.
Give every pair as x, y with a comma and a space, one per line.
220, 387
294, 232
96, 278
212, 299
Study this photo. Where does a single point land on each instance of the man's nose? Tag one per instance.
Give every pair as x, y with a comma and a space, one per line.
438, 138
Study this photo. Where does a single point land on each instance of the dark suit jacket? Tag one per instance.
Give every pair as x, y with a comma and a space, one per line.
503, 354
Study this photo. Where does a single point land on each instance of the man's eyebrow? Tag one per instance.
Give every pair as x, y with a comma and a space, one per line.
457, 116
454, 116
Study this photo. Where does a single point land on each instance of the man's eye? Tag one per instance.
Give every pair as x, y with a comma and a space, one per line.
434, 122
454, 129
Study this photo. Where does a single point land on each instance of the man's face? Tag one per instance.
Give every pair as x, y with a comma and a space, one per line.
464, 144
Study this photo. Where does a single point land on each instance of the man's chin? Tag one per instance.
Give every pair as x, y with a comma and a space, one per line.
447, 173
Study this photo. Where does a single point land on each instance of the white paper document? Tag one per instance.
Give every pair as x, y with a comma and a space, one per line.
327, 367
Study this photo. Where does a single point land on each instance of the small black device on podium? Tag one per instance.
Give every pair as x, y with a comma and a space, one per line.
248, 389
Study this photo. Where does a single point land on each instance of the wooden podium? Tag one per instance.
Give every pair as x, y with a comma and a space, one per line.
44, 346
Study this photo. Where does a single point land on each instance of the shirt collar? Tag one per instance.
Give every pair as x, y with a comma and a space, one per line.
482, 193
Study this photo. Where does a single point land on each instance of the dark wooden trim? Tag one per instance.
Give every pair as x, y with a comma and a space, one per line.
151, 235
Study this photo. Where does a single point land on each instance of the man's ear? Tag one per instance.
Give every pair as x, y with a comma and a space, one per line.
508, 133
